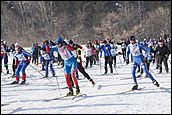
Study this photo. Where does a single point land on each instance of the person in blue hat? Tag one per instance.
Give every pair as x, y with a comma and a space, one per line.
70, 63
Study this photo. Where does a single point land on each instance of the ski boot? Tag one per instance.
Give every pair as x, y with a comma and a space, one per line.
45, 76
155, 83
77, 90
23, 82
70, 92
135, 86
160, 72
13, 76
15, 82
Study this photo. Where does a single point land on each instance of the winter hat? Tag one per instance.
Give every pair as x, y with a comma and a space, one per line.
132, 38
95, 41
58, 40
44, 49
160, 43
105, 41
86, 45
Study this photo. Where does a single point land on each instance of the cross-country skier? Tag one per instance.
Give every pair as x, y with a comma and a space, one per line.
88, 54
48, 61
14, 65
4, 50
70, 63
136, 50
107, 54
23, 59
77, 54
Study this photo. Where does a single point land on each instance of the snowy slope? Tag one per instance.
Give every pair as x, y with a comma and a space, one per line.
102, 99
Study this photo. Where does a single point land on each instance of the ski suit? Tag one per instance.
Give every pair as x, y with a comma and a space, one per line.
136, 51
70, 63
48, 60
23, 59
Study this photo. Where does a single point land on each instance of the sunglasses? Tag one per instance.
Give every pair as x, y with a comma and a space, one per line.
161, 44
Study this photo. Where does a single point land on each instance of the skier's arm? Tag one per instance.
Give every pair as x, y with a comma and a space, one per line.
69, 47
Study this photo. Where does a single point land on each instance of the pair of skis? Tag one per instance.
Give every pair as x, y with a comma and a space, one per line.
127, 91
73, 97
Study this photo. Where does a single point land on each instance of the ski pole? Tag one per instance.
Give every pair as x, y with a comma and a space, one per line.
30, 77
58, 86
39, 72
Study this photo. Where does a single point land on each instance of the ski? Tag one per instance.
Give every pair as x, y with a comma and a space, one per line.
67, 87
78, 95
57, 98
5, 104
130, 90
46, 78
15, 85
138, 76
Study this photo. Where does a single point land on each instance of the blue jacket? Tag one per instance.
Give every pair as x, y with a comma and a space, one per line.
106, 50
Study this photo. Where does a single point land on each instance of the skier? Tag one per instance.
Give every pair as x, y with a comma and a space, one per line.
97, 46
163, 53
34, 52
70, 63
88, 54
123, 47
22, 59
136, 51
107, 54
114, 50
4, 50
77, 54
14, 65
48, 61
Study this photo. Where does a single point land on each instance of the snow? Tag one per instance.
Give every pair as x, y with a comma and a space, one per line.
103, 98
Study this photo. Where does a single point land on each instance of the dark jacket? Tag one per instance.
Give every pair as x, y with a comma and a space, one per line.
162, 51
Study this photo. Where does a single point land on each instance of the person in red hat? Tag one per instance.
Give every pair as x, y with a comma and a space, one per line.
162, 52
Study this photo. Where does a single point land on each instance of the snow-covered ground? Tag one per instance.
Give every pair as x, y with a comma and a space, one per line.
103, 98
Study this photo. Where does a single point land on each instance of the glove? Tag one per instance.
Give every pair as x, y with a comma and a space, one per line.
106, 48
127, 61
78, 60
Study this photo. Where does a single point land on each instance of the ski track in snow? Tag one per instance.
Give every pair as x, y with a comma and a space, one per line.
100, 99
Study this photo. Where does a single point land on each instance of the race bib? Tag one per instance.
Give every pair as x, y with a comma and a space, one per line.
135, 50
65, 54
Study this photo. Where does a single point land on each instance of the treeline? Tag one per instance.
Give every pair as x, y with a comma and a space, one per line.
36, 21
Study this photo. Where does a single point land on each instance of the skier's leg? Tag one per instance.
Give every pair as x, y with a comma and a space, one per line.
146, 71
133, 72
